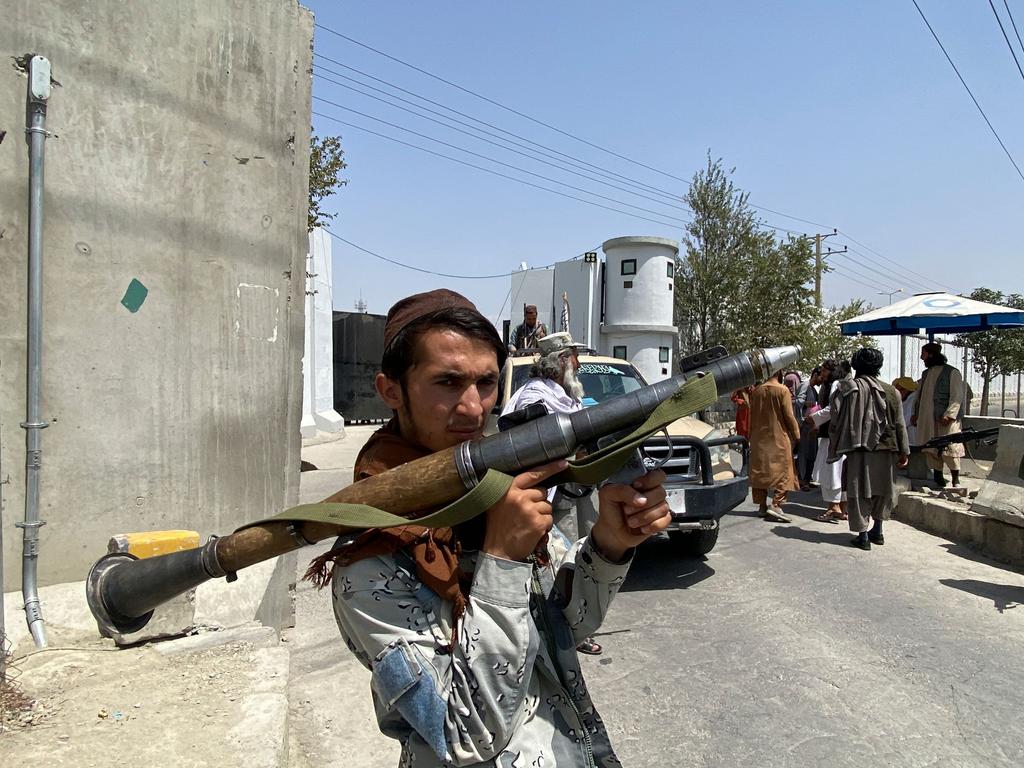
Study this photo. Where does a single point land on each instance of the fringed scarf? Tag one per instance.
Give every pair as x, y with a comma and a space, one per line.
435, 551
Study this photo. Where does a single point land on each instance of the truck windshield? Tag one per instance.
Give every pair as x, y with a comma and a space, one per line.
603, 381
600, 381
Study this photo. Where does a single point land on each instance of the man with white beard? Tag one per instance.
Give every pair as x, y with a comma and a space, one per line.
554, 384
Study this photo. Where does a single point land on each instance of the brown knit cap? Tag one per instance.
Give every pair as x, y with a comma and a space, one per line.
414, 307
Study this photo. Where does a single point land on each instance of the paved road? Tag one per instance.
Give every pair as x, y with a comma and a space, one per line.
784, 647
788, 647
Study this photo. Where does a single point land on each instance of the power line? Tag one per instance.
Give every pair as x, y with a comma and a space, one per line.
493, 172
928, 280
848, 257
420, 269
499, 162
634, 182
1013, 23
596, 168
849, 276
573, 161
1006, 37
674, 204
533, 119
964, 82
887, 270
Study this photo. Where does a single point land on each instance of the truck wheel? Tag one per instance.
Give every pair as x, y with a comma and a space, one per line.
694, 543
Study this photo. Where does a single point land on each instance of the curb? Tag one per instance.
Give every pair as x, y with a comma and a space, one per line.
954, 521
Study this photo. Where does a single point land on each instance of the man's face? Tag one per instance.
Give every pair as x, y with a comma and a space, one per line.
530, 317
448, 392
926, 356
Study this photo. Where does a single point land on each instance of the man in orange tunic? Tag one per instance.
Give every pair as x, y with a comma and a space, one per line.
773, 433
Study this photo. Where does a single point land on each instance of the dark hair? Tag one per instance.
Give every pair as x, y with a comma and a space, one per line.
836, 371
867, 361
404, 351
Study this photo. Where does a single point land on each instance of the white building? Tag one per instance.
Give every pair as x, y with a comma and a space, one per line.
318, 412
639, 288
620, 307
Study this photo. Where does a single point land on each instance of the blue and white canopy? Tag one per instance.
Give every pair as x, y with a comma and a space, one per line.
933, 313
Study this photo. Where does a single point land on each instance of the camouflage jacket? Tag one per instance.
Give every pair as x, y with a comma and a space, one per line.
509, 691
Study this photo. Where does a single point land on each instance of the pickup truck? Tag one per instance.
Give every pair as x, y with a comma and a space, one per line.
702, 482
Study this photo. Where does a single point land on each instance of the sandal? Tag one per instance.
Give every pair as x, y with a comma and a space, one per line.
831, 516
589, 646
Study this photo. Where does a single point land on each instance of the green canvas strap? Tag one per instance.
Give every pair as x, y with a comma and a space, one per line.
694, 395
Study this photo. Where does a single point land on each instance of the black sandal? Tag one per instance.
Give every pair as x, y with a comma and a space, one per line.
589, 646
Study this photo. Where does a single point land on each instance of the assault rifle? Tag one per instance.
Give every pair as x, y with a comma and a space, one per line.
123, 591
989, 436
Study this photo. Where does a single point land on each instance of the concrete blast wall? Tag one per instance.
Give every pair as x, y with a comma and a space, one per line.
180, 161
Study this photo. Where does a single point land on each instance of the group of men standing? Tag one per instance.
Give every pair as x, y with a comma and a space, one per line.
850, 431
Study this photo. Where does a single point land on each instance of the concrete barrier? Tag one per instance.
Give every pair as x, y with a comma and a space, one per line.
1002, 495
953, 520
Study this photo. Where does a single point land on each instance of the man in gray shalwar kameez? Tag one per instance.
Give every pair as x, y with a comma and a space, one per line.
867, 427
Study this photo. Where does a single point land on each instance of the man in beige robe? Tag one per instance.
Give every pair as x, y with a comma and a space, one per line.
773, 433
939, 411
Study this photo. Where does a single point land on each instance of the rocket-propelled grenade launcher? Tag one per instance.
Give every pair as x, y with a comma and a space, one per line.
123, 592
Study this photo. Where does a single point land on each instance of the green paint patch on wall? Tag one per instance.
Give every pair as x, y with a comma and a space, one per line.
134, 296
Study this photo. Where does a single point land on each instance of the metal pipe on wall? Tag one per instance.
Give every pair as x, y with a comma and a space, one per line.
38, 93
3, 625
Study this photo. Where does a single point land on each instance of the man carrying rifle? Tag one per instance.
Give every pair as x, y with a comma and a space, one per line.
470, 633
939, 411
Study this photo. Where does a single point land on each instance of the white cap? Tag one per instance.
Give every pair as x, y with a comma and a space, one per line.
556, 342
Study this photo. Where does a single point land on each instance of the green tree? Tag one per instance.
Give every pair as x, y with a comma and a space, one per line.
776, 286
821, 338
997, 352
326, 162
736, 284
718, 244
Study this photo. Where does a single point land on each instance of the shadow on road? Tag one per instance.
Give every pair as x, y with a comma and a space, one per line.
840, 536
658, 565
1003, 596
962, 550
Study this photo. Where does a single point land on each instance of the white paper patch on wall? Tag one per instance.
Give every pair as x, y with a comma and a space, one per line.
257, 311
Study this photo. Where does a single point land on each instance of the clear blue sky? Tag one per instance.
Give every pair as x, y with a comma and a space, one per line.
845, 114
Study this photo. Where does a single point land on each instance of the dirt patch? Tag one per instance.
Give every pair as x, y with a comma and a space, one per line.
95, 705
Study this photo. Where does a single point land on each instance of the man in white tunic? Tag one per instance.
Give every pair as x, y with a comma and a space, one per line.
553, 383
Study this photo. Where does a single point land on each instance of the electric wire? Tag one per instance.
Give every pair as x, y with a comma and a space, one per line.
597, 169
850, 268
848, 276
969, 92
493, 172
886, 270
1013, 24
573, 158
420, 269
500, 162
1006, 37
928, 280
528, 117
676, 201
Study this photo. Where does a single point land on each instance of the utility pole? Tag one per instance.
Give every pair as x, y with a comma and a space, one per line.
818, 265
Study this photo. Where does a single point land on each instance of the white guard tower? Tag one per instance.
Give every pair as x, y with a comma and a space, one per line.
639, 291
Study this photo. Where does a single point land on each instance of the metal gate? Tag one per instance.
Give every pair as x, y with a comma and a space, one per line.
358, 346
